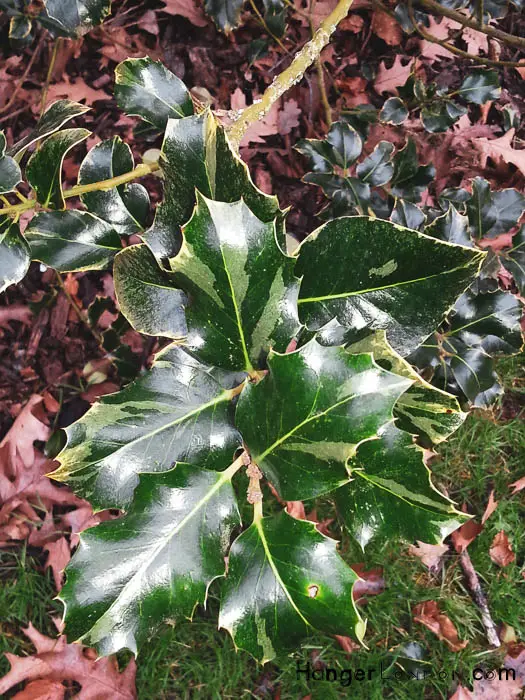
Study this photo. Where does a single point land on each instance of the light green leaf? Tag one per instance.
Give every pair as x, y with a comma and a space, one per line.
44, 168
285, 582
179, 411
303, 421
153, 565
146, 89
72, 241
120, 205
14, 254
391, 494
373, 274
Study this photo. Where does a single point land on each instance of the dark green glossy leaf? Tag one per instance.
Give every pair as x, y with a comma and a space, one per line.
285, 581
488, 321
118, 206
14, 254
347, 192
179, 411
78, 16
473, 371
377, 169
225, 13
196, 154
153, 565
391, 494
480, 86
10, 174
55, 116
513, 260
275, 16
492, 213
44, 168
422, 409
302, 422
394, 111
146, 89
360, 117
439, 115
370, 273
72, 241
318, 152
341, 148
410, 179
408, 215
451, 226
20, 31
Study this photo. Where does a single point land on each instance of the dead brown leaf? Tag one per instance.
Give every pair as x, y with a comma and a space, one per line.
429, 615
371, 582
491, 507
386, 28
466, 534
389, 79
191, 9
518, 485
430, 554
501, 149
501, 550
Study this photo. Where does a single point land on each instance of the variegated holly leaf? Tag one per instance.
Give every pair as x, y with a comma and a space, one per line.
238, 288
450, 226
72, 240
14, 253
77, 16
391, 494
154, 564
480, 86
125, 207
377, 169
341, 148
55, 116
285, 582
422, 409
373, 274
147, 89
44, 168
492, 213
178, 411
10, 174
225, 13
394, 111
303, 421
196, 154
513, 259
410, 179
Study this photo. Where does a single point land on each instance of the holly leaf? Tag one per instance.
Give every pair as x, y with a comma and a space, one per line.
341, 148
14, 254
394, 111
10, 174
77, 16
422, 409
124, 207
302, 422
377, 169
286, 580
394, 273
44, 168
232, 270
513, 259
196, 154
178, 411
55, 116
408, 215
488, 321
451, 226
480, 86
156, 563
473, 372
410, 179
492, 213
146, 89
391, 494
225, 13
440, 115
72, 241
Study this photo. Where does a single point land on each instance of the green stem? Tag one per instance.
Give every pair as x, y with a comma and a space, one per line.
295, 71
139, 171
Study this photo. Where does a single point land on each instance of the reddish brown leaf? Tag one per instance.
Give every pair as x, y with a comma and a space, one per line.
430, 554
501, 551
371, 583
296, 509
386, 28
518, 485
491, 507
347, 644
42, 690
429, 615
462, 537
191, 9
501, 149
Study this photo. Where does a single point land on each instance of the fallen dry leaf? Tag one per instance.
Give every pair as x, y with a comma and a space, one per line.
389, 79
15, 312
430, 554
190, 9
281, 118
56, 660
386, 28
429, 615
501, 149
371, 583
518, 485
501, 551
347, 644
296, 509
491, 507
467, 533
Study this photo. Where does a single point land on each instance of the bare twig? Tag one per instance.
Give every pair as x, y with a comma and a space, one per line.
479, 598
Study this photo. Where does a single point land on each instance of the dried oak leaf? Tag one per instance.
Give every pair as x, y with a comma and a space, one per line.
501, 149
389, 79
57, 662
430, 554
501, 551
518, 485
191, 9
281, 118
429, 615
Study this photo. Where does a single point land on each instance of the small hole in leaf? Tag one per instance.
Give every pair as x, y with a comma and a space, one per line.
313, 591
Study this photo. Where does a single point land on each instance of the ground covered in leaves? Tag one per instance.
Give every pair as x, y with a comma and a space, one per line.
63, 343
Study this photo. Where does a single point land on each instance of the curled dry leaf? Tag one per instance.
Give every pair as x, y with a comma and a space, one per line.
430, 554
429, 615
386, 28
491, 507
58, 662
501, 551
370, 583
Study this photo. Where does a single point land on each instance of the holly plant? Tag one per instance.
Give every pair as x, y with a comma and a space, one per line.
283, 377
